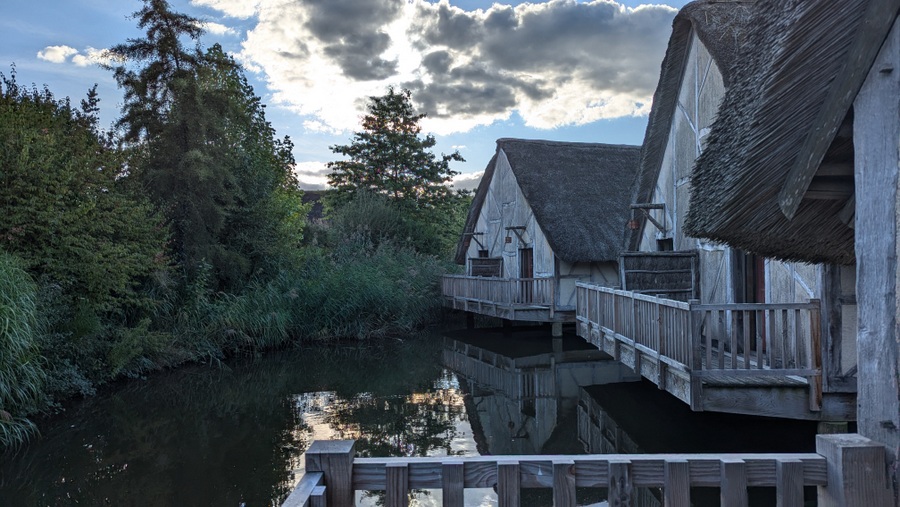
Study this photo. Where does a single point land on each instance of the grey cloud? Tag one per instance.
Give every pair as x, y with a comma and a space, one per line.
446, 100
351, 31
437, 62
614, 51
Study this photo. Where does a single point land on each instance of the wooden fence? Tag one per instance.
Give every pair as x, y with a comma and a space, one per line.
847, 469
766, 339
501, 291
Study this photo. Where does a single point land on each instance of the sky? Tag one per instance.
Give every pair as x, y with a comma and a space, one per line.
563, 70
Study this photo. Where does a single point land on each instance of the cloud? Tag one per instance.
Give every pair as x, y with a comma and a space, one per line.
94, 56
467, 181
56, 54
555, 63
312, 175
217, 28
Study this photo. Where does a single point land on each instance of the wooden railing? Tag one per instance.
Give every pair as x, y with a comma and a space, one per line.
747, 339
501, 291
851, 462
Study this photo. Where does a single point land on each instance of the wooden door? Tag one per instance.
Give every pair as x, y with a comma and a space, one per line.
526, 273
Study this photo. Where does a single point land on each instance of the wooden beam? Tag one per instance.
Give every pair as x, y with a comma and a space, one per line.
829, 190
874, 27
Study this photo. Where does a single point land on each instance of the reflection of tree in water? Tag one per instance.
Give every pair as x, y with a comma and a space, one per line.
419, 424
202, 436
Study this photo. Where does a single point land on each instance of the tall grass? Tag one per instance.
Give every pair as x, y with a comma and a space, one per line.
21, 374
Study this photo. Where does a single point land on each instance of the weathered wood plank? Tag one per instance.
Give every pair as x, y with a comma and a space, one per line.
621, 485
453, 483
318, 498
508, 488
789, 476
397, 487
734, 483
334, 458
564, 483
677, 488
300, 496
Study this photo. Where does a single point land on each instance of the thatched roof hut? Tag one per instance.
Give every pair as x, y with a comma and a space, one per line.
720, 26
579, 194
776, 177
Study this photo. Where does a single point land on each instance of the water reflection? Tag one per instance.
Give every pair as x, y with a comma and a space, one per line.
236, 436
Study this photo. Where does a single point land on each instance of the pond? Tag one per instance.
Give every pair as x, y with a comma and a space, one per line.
234, 435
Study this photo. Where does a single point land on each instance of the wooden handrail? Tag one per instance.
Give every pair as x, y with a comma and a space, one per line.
744, 339
846, 460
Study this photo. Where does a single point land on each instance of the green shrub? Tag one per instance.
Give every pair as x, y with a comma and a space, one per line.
21, 374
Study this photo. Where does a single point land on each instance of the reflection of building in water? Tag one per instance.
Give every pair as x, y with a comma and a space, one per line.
520, 403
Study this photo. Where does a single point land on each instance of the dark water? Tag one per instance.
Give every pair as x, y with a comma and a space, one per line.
235, 435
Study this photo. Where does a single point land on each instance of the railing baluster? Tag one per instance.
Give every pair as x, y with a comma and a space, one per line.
564, 483
508, 484
759, 341
735, 329
788, 483
677, 489
453, 478
746, 337
722, 336
397, 487
317, 498
621, 484
734, 483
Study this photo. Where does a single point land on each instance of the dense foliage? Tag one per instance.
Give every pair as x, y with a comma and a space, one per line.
390, 158
181, 235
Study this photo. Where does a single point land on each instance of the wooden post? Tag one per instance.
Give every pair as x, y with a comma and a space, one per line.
876, 131
695, 322
857, 473
815, 357
556, 329
789, 483
334, 458
734, 483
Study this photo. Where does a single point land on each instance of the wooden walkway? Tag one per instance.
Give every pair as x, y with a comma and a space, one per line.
522, 299
757, 359
840, 469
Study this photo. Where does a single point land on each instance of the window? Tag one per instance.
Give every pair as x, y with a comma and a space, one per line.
665, 245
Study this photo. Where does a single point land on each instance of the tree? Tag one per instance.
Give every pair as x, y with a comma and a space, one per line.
65, 211
390, 157
204, 151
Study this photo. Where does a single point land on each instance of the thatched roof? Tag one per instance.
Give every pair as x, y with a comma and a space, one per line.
720, 26
579, 194
785, 118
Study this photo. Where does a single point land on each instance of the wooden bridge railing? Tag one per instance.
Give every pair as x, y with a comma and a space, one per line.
501, 291
739, 339
847, 469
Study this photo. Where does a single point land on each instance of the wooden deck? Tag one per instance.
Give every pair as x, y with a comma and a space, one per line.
758, 359
334, 474
523, 299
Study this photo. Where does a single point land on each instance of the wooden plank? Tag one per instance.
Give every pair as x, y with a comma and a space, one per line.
734, 339
734, 483
760, 352
453, 483
590, 470
722, 335
621, 483
711, 327
300, 496
746, 352
756, 306
677, 489
397, 485
564, 483
318, 497
508, 488
815, 350
789, 476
